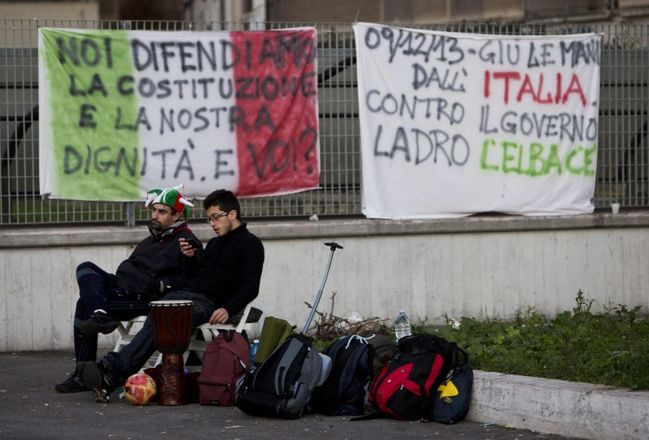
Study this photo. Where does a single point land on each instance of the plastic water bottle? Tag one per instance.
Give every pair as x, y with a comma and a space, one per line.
402, 326
253, 350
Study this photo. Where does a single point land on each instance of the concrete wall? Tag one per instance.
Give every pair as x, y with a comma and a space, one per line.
570, 409
490, 266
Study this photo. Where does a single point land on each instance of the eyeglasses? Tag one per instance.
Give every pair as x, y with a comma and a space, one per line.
215, 217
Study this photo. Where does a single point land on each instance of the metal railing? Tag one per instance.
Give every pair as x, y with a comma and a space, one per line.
623, 159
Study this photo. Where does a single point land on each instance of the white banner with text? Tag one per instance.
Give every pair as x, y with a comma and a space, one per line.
456, 124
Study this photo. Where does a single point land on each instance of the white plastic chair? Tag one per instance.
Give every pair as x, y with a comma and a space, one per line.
128, 329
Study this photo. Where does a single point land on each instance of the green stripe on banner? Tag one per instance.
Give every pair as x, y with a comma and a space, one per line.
95, 158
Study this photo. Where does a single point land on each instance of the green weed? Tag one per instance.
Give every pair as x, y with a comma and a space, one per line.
611, 348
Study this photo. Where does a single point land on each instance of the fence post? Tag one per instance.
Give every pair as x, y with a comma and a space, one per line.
129, 210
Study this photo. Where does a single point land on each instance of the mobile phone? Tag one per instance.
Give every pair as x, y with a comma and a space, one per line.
193, 242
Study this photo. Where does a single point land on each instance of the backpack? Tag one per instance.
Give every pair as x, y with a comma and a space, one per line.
343, 393
406, 387
454, 394
273, 333
282, 385
384, 348
226, 360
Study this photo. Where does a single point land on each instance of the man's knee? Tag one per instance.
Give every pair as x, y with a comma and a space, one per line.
86, 265
86, 268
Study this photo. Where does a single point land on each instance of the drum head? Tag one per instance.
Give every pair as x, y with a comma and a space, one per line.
170, 303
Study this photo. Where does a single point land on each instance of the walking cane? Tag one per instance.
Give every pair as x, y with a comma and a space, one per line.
333, 246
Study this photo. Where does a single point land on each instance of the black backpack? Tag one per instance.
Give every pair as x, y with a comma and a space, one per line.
282, 385
406, 387
343, 393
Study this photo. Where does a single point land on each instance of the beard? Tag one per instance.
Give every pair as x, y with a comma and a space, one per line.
155, 224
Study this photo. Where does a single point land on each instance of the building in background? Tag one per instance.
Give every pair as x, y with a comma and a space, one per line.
53, 10
250, 11
94, 9
454, 11
142, 9
310, 11
417, 11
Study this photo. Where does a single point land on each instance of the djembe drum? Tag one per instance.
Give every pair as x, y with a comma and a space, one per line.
172, 329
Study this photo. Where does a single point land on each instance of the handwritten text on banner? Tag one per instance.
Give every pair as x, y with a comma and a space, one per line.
455, 124
123, 112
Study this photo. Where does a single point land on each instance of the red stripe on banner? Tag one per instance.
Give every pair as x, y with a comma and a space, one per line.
275, 114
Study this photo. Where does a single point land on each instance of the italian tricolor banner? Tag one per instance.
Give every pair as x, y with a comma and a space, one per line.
122, 112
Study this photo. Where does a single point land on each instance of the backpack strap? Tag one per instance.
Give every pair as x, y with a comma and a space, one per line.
228, 335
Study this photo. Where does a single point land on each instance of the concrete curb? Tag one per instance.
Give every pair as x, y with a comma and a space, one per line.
560, 407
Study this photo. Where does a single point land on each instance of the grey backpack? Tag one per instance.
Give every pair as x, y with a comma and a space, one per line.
282, 385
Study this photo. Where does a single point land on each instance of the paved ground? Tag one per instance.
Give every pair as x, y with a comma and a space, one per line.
31, 409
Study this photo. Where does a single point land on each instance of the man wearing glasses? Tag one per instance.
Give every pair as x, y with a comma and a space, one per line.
220, 282
153, 268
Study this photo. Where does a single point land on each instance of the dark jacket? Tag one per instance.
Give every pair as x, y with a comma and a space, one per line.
156, 264
229, 272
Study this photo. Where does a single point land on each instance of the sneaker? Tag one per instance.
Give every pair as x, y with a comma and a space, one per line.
99, 322
97, 379
72, 384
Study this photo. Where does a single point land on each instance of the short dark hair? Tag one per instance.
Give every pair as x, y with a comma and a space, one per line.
226, 200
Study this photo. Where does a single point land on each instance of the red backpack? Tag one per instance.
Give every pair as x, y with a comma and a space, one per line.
406, 387
226, 360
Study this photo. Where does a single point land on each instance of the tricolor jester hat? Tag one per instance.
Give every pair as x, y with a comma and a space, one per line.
170, 197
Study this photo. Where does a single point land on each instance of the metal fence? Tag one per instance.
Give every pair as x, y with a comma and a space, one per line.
622, 170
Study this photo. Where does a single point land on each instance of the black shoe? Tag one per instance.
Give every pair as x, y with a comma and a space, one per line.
72, 384
97, 379
99, 322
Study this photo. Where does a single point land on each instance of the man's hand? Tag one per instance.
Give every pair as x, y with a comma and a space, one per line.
220, 316
186, 248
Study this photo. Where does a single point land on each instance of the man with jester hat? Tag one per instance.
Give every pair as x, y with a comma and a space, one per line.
219, 282
154, 268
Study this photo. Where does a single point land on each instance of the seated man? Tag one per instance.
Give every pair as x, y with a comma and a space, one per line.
154, 267
219, 283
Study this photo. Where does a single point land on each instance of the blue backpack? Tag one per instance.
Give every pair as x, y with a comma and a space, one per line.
454, 394
343, 393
